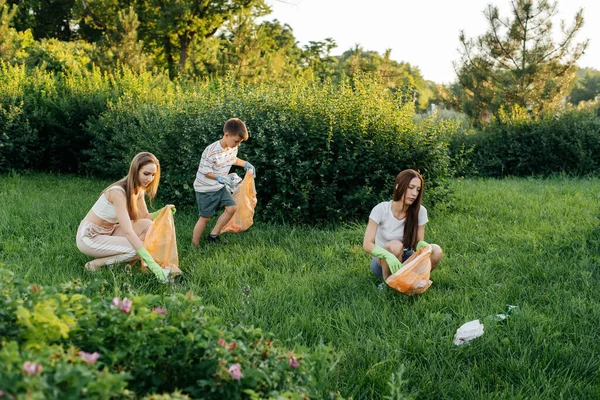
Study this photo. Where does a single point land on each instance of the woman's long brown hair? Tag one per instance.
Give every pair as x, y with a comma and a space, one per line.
131, 182
411, 226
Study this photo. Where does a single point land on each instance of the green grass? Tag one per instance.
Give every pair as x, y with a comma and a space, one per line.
530, 243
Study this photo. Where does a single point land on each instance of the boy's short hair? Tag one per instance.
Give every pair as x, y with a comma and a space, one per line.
236, 127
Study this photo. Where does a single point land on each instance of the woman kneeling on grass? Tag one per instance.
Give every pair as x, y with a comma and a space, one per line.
116, 226
395, 227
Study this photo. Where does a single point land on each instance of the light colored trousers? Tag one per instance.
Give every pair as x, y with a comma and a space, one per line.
106, 244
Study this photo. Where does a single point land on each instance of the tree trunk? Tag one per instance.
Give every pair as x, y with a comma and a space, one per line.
184, 44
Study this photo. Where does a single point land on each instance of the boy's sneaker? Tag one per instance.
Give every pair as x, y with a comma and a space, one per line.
213, 238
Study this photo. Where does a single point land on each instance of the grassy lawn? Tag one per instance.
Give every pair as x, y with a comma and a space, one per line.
530, 243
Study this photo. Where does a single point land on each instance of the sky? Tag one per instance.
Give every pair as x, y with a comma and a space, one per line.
423, 33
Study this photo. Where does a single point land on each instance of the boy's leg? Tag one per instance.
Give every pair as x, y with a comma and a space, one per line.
207, 204
198, 230
223, 219
228, 202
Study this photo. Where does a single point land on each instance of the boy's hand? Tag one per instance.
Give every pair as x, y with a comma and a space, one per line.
248, 166
224, 181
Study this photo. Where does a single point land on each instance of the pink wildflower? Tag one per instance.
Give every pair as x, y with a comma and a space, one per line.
116, 302
236, 371
159, 310
32, 368
89, 358
222, 342
125, 305
232, 345
293, 362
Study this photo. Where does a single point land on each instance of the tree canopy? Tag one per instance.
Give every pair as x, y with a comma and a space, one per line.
517, 62
188, 39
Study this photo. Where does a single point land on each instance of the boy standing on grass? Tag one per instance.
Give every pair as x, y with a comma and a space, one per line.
210, 184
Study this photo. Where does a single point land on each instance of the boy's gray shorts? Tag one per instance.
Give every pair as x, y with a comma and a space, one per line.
210, 202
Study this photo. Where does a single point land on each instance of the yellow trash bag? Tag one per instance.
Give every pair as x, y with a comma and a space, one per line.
245, 199
413, 277
162, 244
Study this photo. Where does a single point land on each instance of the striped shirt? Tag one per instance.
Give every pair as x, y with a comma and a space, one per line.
217, 160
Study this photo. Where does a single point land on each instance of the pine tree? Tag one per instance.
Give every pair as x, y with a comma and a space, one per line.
517, 62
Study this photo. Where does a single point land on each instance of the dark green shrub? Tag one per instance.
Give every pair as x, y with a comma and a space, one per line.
54, 108
19, 144
322, 152
568, 142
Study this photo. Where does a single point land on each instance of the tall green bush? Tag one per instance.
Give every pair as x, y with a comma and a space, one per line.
52, 109
567, 142
323, 152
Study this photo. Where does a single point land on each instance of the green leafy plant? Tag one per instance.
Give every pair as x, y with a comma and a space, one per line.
140, 346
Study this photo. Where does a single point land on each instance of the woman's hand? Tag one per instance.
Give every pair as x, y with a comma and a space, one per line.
160, 273
391, 259
155, 213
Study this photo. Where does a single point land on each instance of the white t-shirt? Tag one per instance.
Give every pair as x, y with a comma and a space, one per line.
217, 160
391, 228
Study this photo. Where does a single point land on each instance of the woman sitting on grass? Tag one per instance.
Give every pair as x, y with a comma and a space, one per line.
395, 227
114, 229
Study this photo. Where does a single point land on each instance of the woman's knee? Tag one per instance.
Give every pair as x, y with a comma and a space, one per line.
142, 227
436, 255
436, 251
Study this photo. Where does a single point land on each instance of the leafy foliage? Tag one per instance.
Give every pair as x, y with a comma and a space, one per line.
45, 20
58, 342
325, 152
400, 77
188, 40
587, 86
517, 62
516, 144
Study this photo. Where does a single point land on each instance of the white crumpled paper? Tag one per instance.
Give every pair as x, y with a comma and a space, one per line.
468, 331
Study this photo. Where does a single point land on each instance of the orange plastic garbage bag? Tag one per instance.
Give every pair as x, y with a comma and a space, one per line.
161, 242
245, 199
413, 277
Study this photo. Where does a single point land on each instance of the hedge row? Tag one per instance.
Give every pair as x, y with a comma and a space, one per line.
323, 152
567, 142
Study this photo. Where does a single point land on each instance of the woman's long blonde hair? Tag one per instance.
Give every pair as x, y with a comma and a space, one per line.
131, 182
